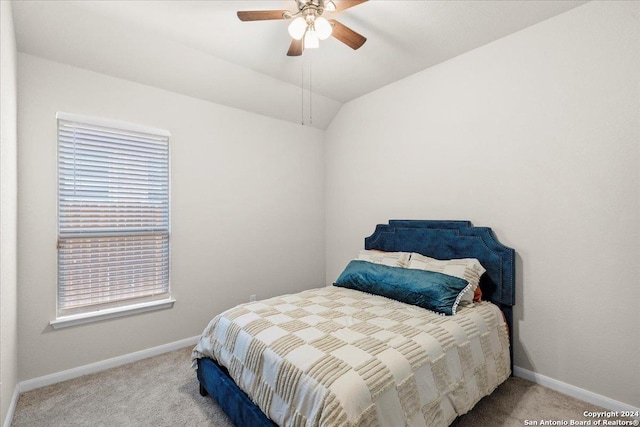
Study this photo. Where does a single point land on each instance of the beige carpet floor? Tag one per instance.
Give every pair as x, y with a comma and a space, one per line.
163, 391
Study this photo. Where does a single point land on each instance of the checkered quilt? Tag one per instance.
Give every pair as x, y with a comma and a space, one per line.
339, 357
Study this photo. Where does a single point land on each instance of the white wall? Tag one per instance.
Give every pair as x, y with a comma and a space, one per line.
536, 135
8, 211
247, 211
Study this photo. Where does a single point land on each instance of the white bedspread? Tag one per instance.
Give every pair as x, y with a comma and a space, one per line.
338, 357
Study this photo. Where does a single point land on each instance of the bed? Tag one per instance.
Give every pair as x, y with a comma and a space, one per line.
327, 356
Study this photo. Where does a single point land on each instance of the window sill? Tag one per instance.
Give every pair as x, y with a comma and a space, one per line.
110, 313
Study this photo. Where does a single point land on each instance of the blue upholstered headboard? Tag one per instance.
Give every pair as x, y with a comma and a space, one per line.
455, 239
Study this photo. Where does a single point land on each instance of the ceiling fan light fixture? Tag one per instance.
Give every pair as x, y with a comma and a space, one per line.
297, 28
311, 40
323, 28
307, 26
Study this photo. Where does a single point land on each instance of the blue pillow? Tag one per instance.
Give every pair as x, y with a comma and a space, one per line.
427, 289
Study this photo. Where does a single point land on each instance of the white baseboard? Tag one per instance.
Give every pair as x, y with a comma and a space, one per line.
12, 406
573, 391
104, 364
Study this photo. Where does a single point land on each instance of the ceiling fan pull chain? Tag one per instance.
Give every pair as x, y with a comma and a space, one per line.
310, 91
302, 92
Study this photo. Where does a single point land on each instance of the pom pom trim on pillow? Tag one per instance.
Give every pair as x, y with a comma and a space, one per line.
468, 269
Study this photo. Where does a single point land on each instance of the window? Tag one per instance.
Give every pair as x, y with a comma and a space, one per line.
113, 217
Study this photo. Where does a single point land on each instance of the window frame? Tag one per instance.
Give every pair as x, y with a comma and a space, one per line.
128, 306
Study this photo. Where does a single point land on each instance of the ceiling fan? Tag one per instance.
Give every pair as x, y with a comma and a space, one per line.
309, 26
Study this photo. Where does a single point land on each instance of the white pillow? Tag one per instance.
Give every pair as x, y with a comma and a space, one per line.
468, 269
392, 259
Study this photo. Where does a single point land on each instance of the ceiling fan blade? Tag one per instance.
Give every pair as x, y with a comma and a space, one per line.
346, 35
262, 15
346, 4
296, 48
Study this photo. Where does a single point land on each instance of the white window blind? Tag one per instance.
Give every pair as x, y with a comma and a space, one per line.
113, 215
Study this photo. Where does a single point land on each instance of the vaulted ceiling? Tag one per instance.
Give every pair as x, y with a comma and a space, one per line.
201, 48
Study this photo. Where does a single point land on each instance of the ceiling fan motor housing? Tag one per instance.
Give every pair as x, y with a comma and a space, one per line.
318, 6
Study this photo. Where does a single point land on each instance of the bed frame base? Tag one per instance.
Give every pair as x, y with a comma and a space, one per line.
215, 381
